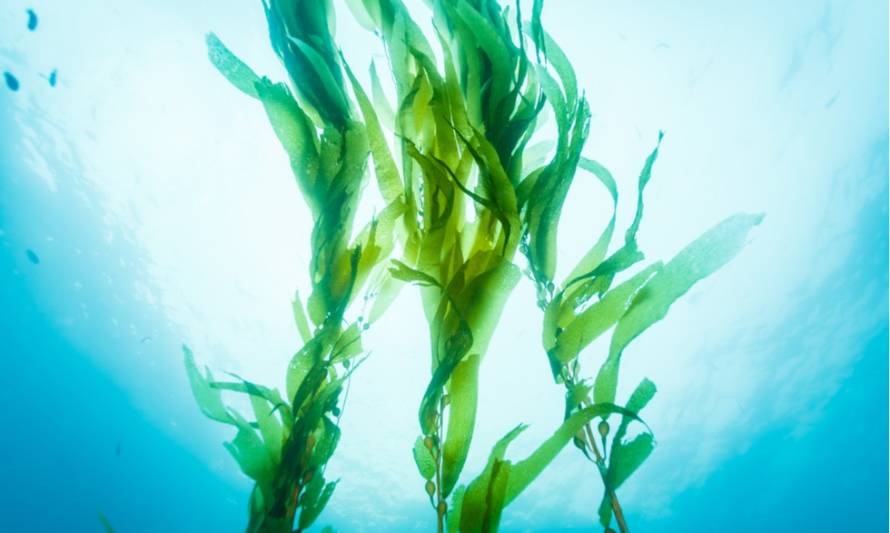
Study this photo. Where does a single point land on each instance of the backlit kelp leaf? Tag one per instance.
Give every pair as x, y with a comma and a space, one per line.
311, 512
701, 258
563, 68
209, 399
524, 472
297, 370
463, 395
252, 389
424, 460
501, 481
605, 510
325, 445
403, 272
269, 425
297, 135
645, 176
348, 345
382, 107
250, 452
627, 255
597, 253
625, 458
600, 316
388, 179
456, 348
537, 29
238, 74
490, 291
483, 500
300, 318
454, 511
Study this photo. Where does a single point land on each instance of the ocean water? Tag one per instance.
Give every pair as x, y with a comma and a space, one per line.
145, 204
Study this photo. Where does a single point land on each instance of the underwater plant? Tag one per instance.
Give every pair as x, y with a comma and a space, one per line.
471, 185
586, 305
471, 202
288, 442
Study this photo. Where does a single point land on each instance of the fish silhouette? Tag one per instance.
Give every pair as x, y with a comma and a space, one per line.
11, 81
32, 256
32, 20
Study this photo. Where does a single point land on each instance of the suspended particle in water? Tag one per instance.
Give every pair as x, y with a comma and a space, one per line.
32, 20
11, 81
32, 256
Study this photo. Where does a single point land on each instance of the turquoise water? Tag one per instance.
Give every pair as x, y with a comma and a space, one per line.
127, 229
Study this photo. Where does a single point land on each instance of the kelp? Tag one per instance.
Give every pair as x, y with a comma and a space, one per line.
468, 187
287, 440
462, 121
586, 305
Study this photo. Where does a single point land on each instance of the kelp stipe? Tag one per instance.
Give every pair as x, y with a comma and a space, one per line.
287, 444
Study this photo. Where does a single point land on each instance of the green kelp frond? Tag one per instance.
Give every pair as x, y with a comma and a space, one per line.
478, 508
462, 120
286, 442
586, 305
467, 182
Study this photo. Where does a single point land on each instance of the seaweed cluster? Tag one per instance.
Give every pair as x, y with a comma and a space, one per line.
471, 185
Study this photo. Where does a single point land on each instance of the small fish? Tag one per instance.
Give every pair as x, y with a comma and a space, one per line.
32, 256
32, 20
11, 81
53, 77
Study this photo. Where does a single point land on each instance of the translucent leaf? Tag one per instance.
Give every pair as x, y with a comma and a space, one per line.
597, 253
300, 318
426, 465
309, 514
238, 74
250, 452
297, 370
388, 179
525, 471
626, 458
297, 135
701, 258
599, 317
454, 510
209, 399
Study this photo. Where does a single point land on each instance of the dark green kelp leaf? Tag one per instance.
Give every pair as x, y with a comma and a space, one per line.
701, 258
238, 74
